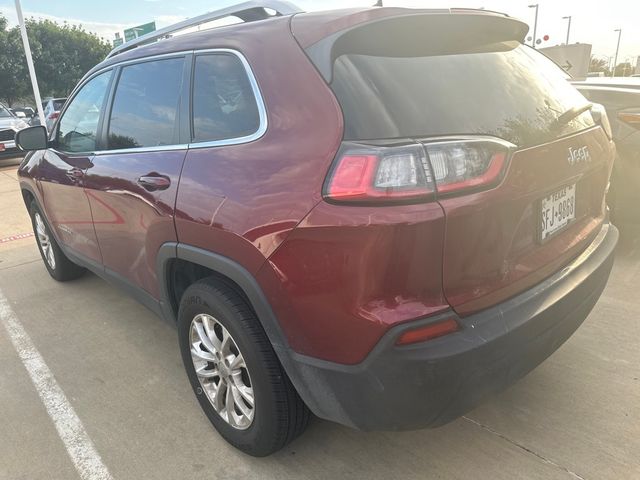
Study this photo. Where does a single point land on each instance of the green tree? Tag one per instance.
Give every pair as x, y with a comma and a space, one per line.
14, 82
62, 54
623, 69
599, 65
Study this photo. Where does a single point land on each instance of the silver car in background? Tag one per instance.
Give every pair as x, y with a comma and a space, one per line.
52, 109
9, 125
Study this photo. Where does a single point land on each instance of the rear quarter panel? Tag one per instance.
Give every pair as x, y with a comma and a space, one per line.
241, 201
347, 274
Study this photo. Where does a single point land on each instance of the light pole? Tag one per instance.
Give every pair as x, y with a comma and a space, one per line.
535, 24
615, 62
32, 70
568, 27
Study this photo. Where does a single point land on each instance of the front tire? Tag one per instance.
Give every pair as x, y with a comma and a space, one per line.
56, 262
234, 371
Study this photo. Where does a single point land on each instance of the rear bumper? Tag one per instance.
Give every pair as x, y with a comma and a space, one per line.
432, 383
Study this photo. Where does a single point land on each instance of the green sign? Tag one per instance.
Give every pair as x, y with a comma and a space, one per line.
117, 42
140, 30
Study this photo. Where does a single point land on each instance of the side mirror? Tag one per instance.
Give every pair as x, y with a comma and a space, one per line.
32, 138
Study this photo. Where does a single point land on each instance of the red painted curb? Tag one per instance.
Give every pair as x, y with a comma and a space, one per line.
18, 236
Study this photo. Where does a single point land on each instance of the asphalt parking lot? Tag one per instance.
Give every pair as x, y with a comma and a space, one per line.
577, 416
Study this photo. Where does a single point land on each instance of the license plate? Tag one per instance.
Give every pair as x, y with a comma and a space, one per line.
557, 211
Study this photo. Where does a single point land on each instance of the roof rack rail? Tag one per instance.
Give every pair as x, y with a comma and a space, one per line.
247, 11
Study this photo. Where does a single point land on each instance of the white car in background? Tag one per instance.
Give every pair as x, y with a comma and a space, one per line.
51, 108
9, 125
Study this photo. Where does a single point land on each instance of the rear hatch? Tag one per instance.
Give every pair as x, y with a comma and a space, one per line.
519, 165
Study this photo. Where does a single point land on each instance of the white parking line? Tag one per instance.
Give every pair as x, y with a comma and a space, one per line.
79, 446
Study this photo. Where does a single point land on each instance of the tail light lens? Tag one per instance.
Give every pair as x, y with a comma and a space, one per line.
416, 172
54, 115
467, 164
387, 174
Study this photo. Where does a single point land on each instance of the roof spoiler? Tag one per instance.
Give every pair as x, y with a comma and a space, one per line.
423, 33
246, 11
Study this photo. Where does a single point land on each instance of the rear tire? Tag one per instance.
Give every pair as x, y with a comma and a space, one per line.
213, 315
58, 265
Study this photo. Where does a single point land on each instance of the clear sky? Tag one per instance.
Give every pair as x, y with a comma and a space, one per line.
593, 21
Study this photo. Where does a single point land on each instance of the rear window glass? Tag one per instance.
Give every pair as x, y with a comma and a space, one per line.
145, 105
515, 94
58, 104
223, 102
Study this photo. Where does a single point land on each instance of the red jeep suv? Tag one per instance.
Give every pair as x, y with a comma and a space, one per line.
378, 215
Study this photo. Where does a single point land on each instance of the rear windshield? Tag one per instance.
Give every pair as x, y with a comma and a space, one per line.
515, 94
58, 104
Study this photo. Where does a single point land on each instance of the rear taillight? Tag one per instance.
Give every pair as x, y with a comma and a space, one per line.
388, 174
414, 173
54, 115
467, 164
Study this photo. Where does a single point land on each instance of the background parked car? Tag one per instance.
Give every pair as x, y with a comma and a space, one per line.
621, 98
24, 112
51, 107
9, 125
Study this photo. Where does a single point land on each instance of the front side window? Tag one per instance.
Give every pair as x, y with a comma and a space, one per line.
145, 105
223, 104
78, 126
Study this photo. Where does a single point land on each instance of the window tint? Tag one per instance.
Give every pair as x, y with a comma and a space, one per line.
223, 102
145, 106
79, 125
515, 94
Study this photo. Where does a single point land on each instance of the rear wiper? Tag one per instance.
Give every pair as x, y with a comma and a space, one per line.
570, 114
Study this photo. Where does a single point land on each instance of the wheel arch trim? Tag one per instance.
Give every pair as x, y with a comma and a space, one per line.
294, 364
28, 188
223, 266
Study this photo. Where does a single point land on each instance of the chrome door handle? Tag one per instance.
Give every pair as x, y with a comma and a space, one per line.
154, 182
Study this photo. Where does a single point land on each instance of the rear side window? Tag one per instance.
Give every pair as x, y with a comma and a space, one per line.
145, 105
224, 105
78, 126
514, 93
